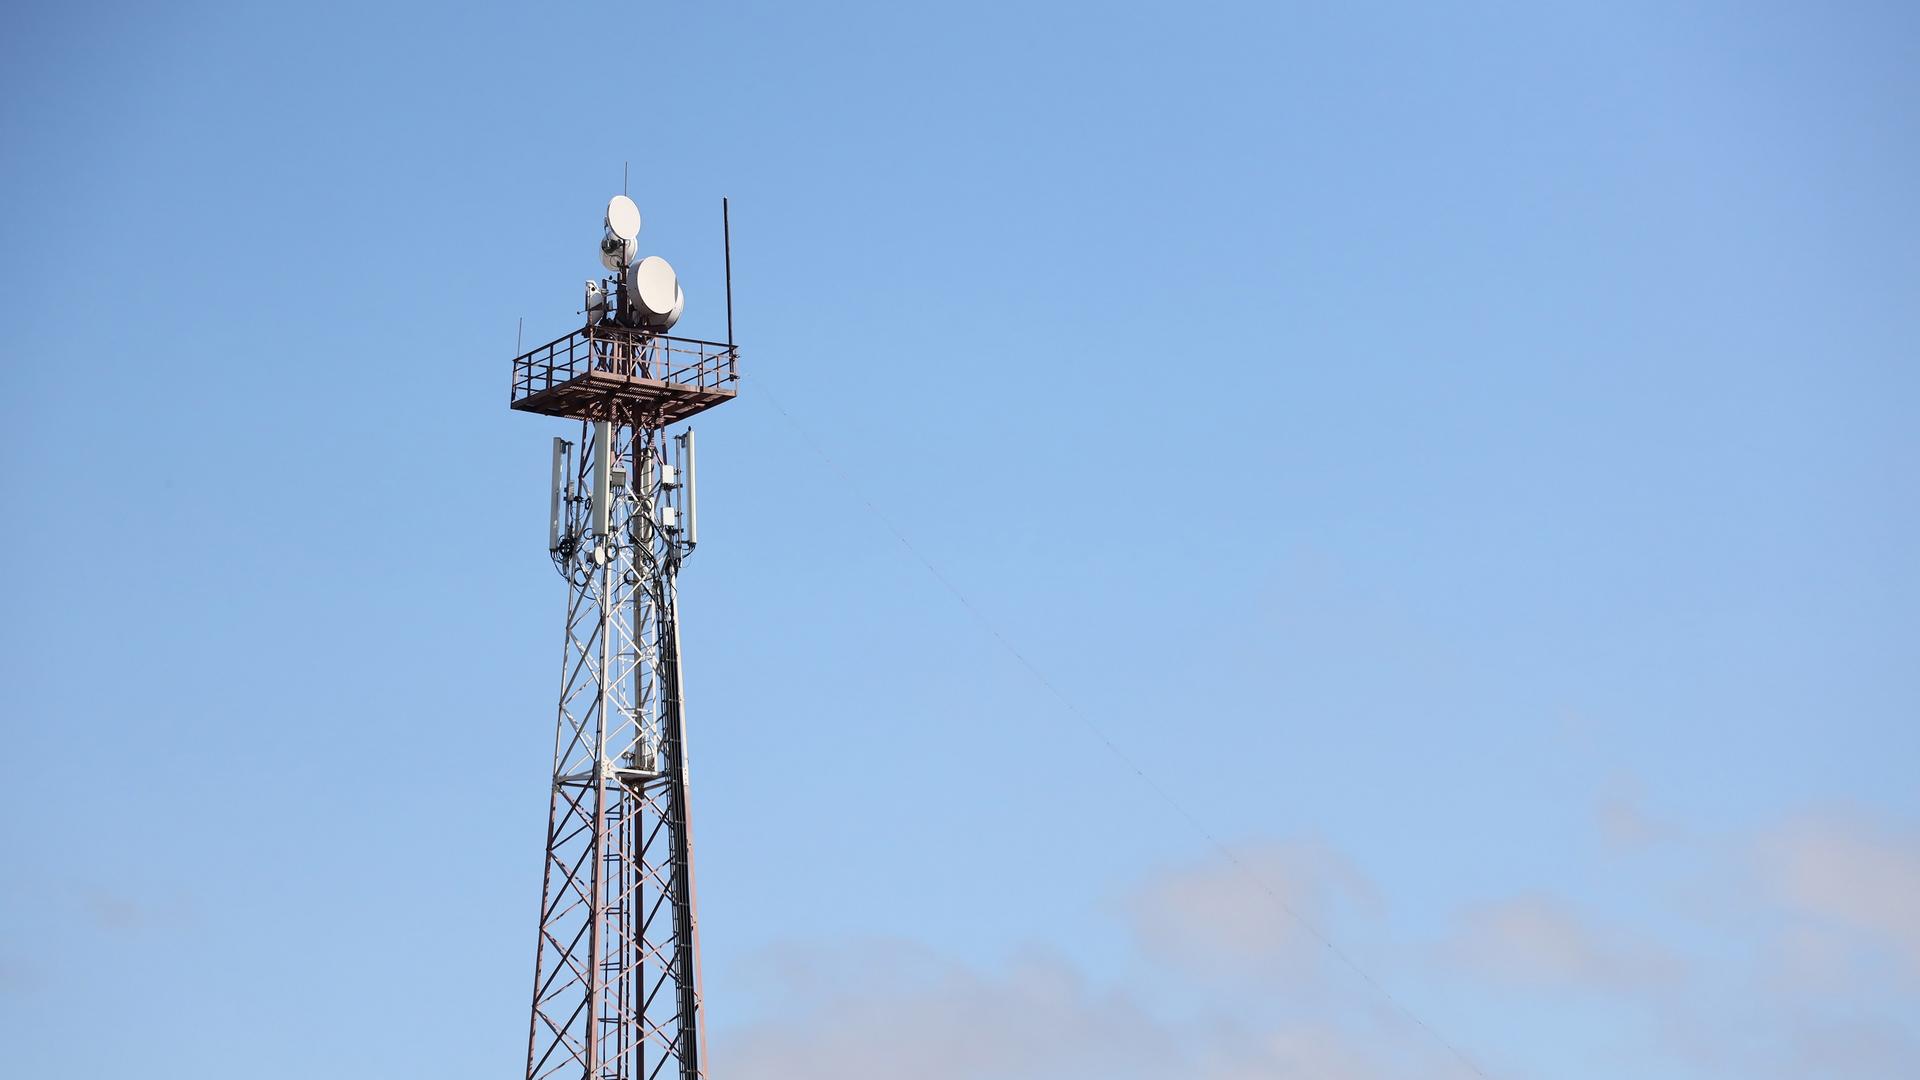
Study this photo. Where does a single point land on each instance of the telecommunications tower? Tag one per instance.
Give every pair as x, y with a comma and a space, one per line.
616, 979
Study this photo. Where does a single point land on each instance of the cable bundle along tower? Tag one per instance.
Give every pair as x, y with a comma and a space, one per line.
616, 985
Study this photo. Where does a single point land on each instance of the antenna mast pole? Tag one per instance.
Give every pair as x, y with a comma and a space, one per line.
726, 247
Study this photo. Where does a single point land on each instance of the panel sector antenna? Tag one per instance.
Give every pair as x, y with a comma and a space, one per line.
616, 987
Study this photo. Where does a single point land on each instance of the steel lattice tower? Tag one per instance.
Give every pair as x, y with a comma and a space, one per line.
616, 992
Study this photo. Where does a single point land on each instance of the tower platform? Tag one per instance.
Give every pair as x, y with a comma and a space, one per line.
586, 374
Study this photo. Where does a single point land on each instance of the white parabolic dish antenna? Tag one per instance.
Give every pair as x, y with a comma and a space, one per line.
654, 286
623, 217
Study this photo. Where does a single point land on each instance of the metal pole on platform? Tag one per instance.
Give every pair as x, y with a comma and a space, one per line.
726, 246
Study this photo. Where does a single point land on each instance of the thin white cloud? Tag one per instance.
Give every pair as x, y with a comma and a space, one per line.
883, 1011
1625, 825
1817, 921
887, 1010
1841, 870
1539, 941
1240, 991
872, 1010
1215, 915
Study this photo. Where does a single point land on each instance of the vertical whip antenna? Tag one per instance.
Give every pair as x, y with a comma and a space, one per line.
726, 250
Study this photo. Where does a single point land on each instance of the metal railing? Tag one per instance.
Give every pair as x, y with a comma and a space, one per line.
617, 350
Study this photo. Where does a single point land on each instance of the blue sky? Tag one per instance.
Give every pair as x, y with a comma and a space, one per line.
1464, 456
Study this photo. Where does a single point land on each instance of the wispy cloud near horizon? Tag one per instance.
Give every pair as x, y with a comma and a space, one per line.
1236, 989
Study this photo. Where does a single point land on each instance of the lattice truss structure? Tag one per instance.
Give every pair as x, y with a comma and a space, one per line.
616, 973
